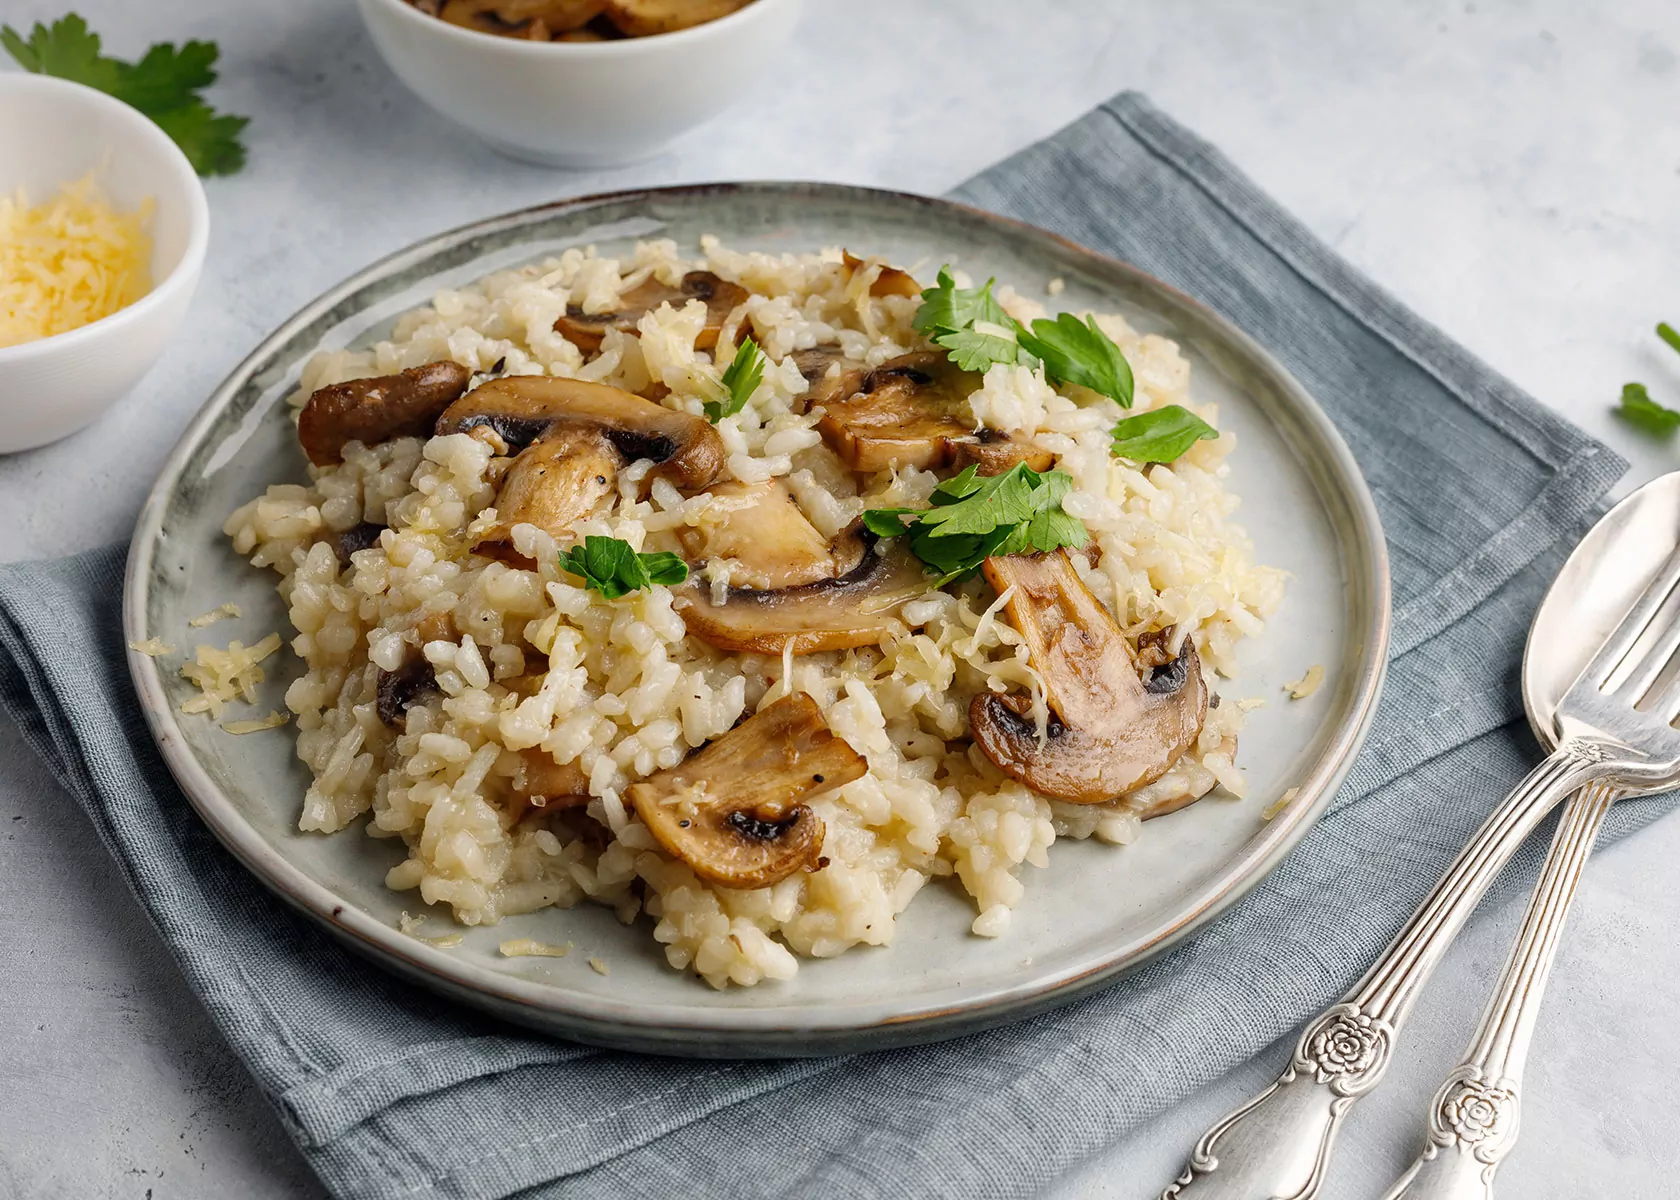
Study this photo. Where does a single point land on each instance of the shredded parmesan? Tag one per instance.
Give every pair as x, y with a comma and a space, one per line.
598, 965
152, 647
1305, 686
1056, 286
224, 675
274, 720
531, 948
214, 615
1282, 802
69, 261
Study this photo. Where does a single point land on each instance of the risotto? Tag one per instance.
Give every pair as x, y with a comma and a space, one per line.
641, 582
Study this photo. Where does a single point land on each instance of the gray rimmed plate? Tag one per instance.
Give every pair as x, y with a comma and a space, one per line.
1098, 911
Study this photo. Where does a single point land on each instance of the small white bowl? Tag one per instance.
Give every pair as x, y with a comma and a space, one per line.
53, 132
579, 104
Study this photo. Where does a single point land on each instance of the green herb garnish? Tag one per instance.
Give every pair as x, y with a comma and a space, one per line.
1077, 352
163, 85
967, 323
974, 517
608, 565
740, 379
1160, 435
971, 326
1638, 409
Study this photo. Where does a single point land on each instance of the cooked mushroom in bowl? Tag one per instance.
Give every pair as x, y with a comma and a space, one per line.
577, 20
754, 594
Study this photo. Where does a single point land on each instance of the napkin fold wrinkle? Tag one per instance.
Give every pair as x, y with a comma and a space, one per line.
393, 1093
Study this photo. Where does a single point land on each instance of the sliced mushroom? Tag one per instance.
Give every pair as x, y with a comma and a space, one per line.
760, 527
585, 330
890, 282
361, 536
829, 374
539, 780
734, 812
376, 410
396, 691
644, 18
854, 609
1110, 731
520, 409
912, 411
535, 19
553, 484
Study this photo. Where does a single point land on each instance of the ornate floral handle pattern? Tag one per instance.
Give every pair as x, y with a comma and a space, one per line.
1276, 1146
1474, 1118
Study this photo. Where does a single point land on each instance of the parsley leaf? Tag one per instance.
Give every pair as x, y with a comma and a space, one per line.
974, 517
608, 565
1638, 409
163, 85
740, 379
968, 324
1668, 334
1160, 435
1078, 352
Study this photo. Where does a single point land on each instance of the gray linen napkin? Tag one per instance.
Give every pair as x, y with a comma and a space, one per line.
390, 1093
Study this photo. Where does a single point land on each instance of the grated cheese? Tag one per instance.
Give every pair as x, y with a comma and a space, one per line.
599, 966
214, 615
1282, 802
69, 261
274, 720
530, 947
152, 647
1305, 686
224, 675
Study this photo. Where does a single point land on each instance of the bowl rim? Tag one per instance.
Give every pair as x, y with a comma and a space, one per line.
159, 143
754, 10
744, 1029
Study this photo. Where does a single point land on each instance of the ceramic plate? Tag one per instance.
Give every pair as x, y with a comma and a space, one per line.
1099, 910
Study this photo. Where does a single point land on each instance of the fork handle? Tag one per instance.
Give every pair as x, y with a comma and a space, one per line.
1475, 1115
1276, 1146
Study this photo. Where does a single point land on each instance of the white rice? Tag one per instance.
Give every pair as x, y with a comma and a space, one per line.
620, 689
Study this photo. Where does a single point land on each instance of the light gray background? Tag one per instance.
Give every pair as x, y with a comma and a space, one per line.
1510, 169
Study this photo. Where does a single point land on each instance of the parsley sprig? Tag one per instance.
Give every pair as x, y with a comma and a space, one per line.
740, 380
164, 85
1638, 409
1160, 435
610, 566
975, 517
971, 326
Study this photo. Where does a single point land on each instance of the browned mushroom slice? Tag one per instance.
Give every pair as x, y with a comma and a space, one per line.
734, 810
414, 682
890, 282
553, 484
1109, 730
585, 330
854, 609
912, 411
644, 18
524, 408
760, 527
537, 19
539, 779
829, 374
362, 536
376, 410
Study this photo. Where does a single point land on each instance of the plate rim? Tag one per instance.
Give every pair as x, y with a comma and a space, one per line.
749, 1030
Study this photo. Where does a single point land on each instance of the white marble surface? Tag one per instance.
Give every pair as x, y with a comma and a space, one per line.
1510, 168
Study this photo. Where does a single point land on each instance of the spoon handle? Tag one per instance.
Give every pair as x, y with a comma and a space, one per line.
1475, 1116
1277, 1145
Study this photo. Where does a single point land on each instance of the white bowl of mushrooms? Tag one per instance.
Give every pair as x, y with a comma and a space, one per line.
579, 82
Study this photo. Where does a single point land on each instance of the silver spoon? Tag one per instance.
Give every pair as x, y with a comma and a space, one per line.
1475, 1116
1613, 722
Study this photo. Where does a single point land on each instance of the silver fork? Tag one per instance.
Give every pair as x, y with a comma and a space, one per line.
1614, 723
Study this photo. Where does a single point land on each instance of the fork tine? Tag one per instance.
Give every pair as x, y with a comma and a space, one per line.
1621, 640
1649, 656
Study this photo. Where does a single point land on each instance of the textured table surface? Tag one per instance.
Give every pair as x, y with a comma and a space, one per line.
1510, 169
